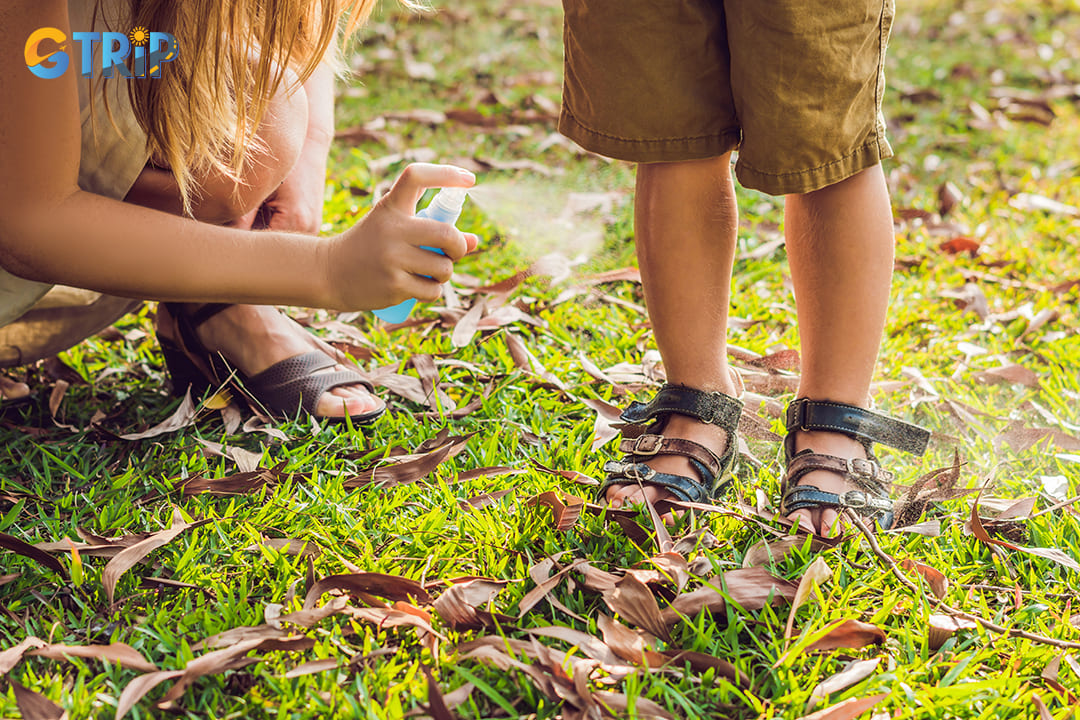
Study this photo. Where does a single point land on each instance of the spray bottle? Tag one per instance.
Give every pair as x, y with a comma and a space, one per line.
444, 207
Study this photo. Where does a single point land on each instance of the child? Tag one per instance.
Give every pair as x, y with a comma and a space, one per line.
149, 188
795, 86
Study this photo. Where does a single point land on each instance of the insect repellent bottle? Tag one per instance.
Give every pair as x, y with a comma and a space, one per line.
444, 207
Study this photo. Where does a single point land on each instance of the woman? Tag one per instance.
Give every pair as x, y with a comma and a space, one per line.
149, 188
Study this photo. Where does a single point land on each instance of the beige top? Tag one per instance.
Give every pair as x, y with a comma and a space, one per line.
113, 153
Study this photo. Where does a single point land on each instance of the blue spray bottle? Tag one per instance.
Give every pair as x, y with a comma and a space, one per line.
444, 207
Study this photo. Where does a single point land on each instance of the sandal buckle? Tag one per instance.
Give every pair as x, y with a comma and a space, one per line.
854, 499
647, 444
858, 467
632, 471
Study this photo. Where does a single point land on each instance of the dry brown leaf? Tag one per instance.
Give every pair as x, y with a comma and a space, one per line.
941, 627
27, 550
847, 710
212, 663
939, 584
182, 417
851, 634
572, 475
460, 605
749, 588
635, 603
818, 572
120, 653
467, 326
240, 483
35, 706
485, 499
1054, 554
770, 552
399, 471
701, 662
1014, 374
627, 644
128, 557
10, 658
313, 667
588, 644
1021, 437
392, 587
291, 546
135, 690
246, 460
564, 515
436, 703
1044, 712
854, 672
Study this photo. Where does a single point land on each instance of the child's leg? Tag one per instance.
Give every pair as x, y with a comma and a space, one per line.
840, 247
685, 223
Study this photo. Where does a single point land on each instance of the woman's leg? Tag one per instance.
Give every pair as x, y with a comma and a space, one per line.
253, 337
685, 224
840, 247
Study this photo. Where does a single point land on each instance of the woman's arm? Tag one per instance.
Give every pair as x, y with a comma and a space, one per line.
54, 232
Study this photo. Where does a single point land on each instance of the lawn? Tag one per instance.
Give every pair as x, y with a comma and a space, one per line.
448, 560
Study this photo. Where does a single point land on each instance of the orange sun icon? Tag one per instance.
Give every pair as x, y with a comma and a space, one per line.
139, 36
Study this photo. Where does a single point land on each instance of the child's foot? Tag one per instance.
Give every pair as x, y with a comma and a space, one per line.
823, 520
678, 446
678, 426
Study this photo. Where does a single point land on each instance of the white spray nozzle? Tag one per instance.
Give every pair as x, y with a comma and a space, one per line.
450, 199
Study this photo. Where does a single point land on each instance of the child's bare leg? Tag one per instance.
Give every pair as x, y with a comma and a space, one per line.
840, 247
685, 222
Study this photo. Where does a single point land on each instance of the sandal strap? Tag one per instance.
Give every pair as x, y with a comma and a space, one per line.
863, 424
299, 381
809, 497
715, 408
865, 473
684, 488
642, 447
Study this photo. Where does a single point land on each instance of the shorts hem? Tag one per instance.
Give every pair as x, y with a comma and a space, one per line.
866, 156
673, 149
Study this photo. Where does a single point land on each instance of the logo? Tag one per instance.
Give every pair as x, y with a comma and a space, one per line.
47, 53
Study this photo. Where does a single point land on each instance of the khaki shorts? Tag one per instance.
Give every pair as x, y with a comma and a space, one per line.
794, 85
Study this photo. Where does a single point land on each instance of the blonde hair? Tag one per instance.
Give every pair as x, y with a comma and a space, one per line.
234, 55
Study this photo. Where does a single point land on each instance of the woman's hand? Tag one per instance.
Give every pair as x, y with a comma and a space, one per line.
379, 262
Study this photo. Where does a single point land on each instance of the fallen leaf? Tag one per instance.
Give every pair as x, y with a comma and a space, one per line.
635, 603
246, 460
627, 644
1030, 202
1052, 554
460, 605
35, 706
959, 244
119, 653
564, 515
27, 550
854, 672
392, 587
939, 584
817, 573
850, 634
128, 557
749, 588
10, 658
313, 667
941, 627
847, 710
182, 417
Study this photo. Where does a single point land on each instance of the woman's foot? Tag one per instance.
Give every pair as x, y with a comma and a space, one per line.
12, 389
254, 337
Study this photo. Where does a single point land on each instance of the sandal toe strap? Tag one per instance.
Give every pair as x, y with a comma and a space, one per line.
684, 488
809, 497
299, 381
867, 474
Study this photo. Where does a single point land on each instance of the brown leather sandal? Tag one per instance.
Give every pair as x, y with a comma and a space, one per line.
282, 390
871, 499
643, 440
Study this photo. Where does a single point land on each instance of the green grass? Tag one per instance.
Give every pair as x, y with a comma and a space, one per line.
498, 57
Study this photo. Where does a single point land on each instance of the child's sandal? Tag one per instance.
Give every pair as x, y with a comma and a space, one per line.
871, 500
642, 440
